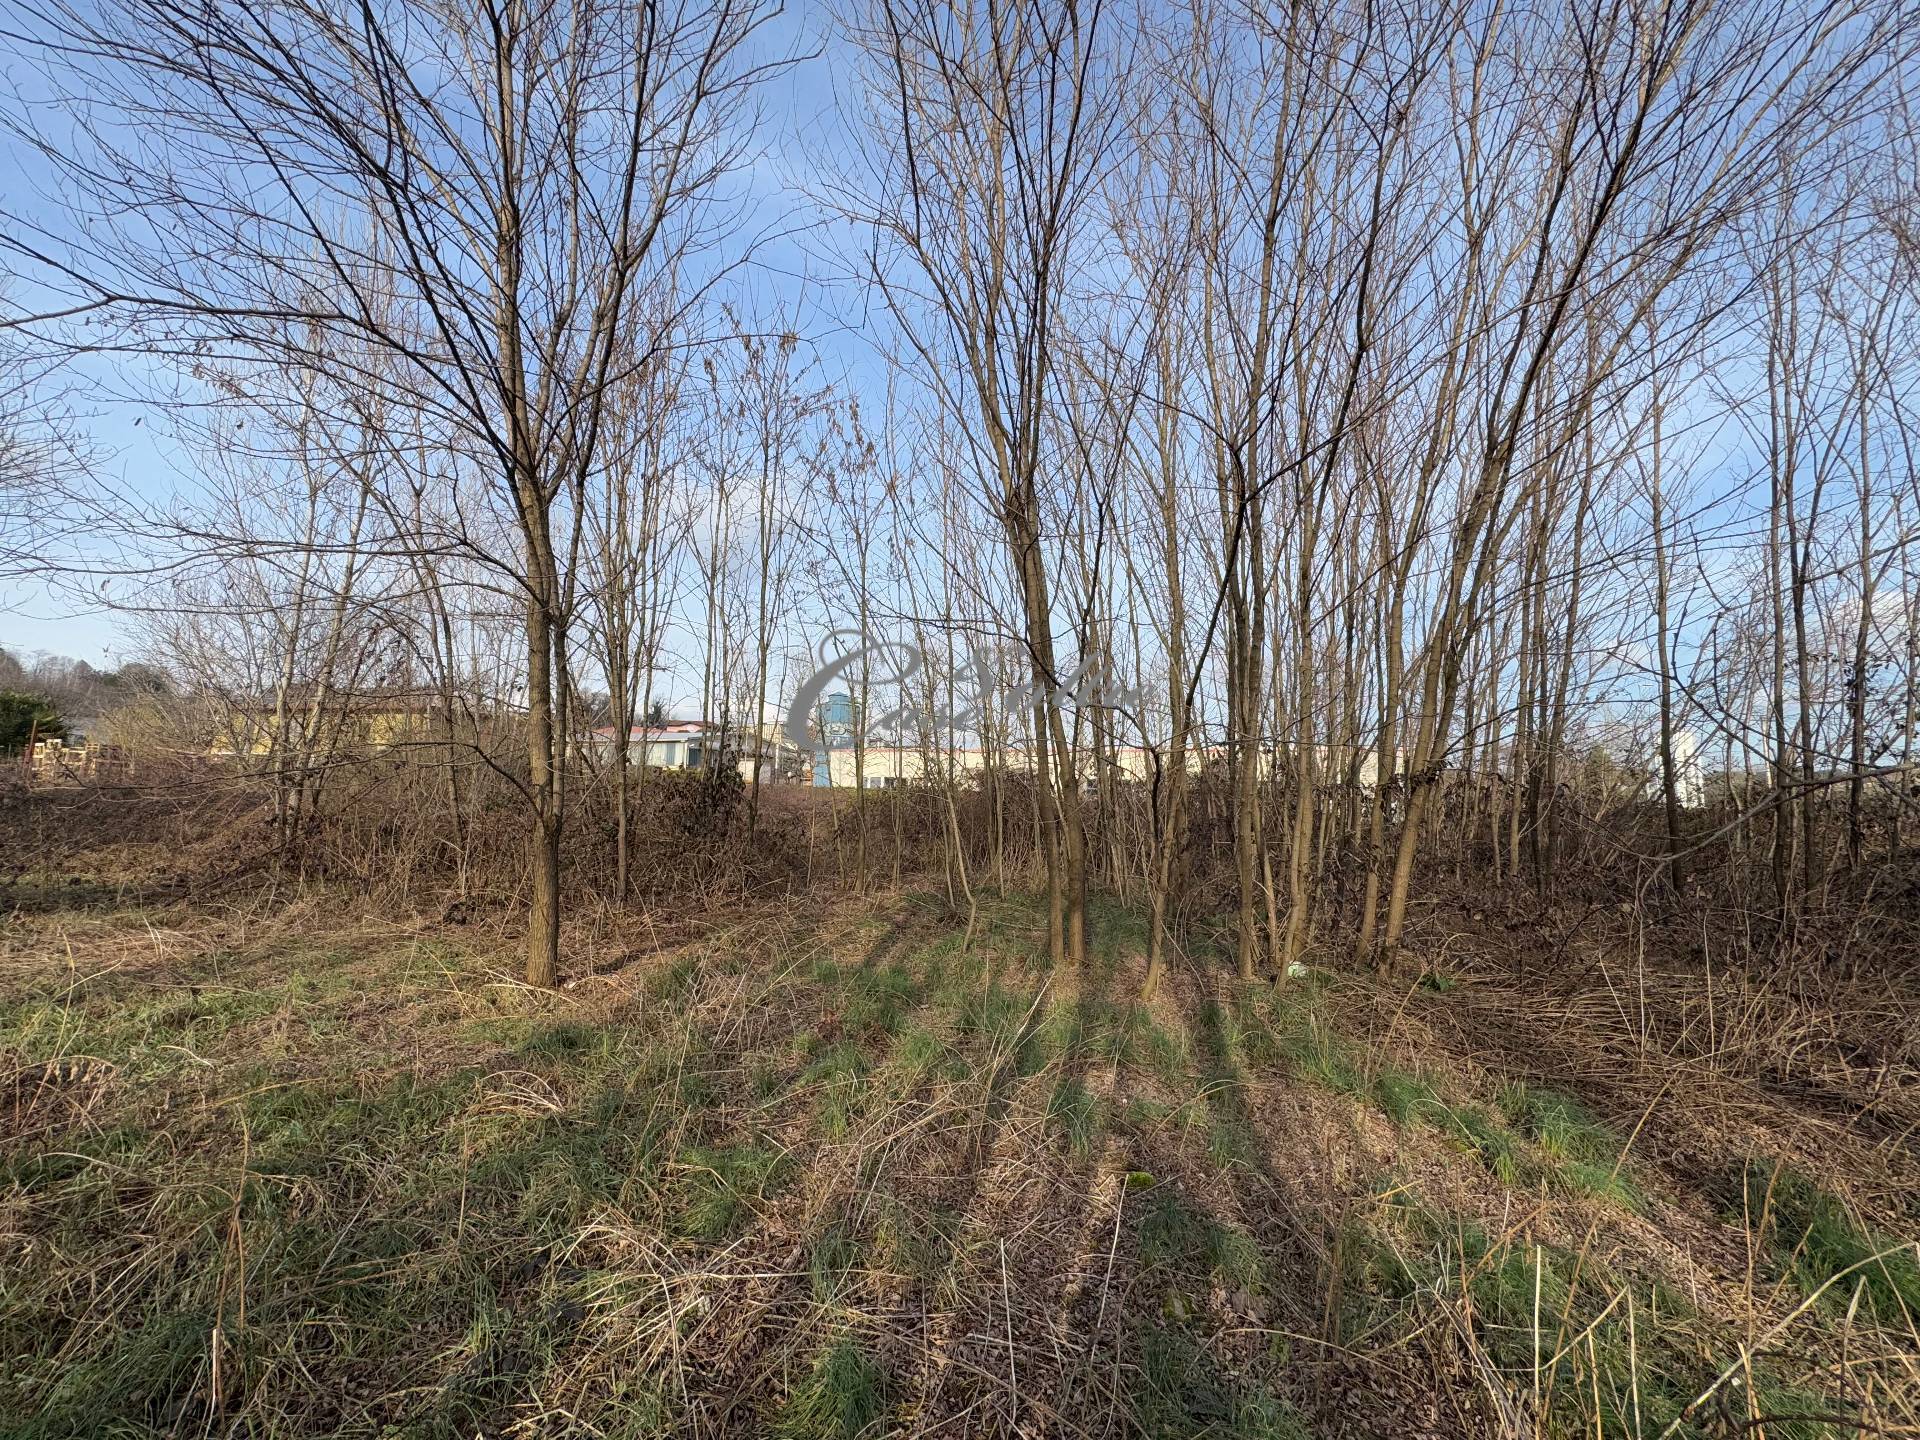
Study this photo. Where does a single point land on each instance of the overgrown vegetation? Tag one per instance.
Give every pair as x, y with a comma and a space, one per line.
1809, 1233
1184, 720
809, 1174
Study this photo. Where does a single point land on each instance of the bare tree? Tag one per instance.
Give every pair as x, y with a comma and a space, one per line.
997, 111
479, 196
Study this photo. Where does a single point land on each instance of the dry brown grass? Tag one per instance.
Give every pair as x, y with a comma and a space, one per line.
282, 1161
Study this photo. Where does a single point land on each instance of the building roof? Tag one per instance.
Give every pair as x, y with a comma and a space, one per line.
672, 730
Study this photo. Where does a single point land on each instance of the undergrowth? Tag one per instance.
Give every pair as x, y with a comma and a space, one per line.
359, 1185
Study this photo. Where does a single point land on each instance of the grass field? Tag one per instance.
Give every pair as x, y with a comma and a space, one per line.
271, 1168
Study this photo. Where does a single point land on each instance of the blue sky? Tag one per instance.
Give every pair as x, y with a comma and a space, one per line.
801, 274
128, 435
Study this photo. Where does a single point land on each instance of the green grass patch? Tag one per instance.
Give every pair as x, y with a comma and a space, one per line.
1230, 1139
842, 1397
830, 1258
1526, 1304
1312, 1048
1405, 1098
1818, 1241
674, 981
568, 1042
1251, 1031
911, 1241
917, 1056
1076, 1113
1477, 1133
1173, 1236
1586, 1156
1180, 1393
877, 1001
1607, 1353
838, 1074
998, 1021
718, 1187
